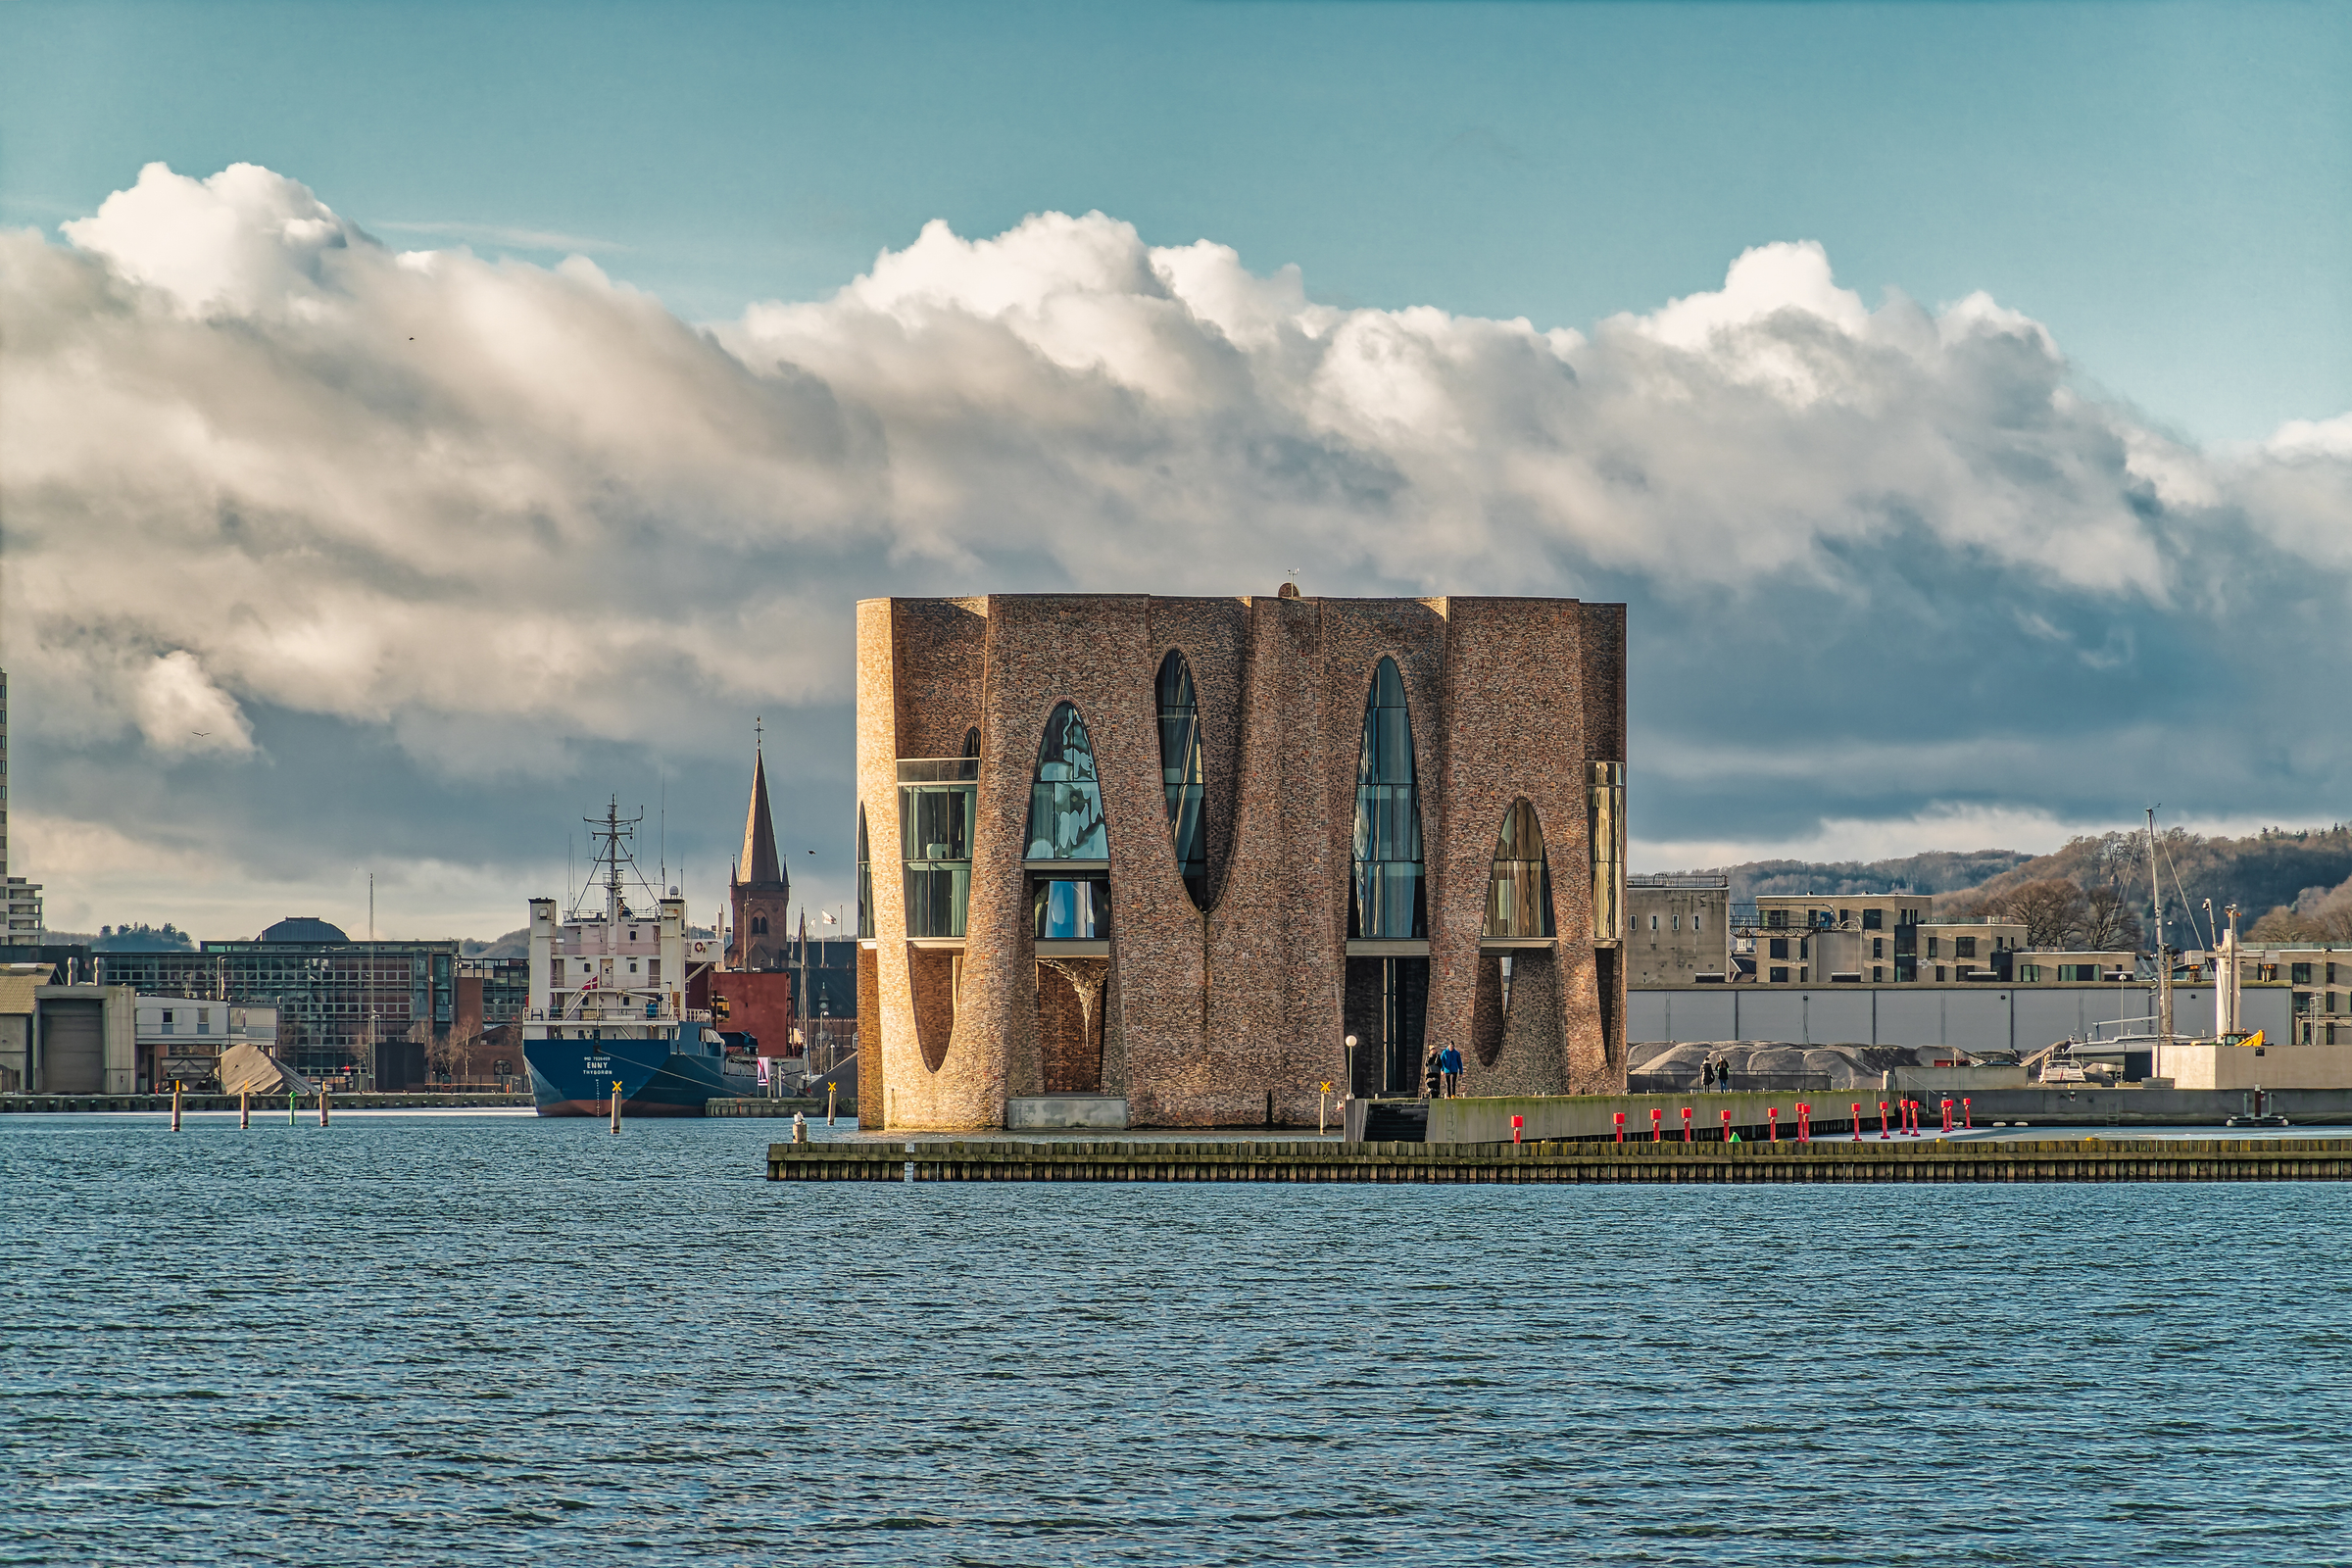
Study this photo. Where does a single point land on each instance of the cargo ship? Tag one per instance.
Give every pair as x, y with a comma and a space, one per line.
608, 1012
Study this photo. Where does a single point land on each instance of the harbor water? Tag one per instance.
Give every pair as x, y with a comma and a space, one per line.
486, 1337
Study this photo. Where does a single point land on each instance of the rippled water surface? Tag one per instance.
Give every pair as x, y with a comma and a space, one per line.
442, 1338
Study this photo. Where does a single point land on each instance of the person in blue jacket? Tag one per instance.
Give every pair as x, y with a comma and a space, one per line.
1450, 1063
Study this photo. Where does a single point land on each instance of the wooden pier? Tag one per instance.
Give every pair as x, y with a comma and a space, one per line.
1919, 1159
813, 1109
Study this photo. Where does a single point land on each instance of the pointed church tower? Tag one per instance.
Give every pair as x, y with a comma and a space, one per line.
759, 894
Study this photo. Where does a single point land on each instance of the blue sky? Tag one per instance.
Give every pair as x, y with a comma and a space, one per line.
2071, 536
2161, 184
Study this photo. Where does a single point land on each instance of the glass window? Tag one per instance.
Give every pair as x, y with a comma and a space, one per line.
1065, 803
1182, 776
1653, 922
1964, 946
938, 798
2299, 974
1075, 910
866, 881
1519, 890
1872, 919
1605, 835
1780, 976
1384, 898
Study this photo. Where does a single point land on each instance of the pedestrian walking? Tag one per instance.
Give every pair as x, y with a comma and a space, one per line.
1433, 1076
1450, 1063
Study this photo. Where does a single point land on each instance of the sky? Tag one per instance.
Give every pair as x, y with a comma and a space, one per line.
419, 421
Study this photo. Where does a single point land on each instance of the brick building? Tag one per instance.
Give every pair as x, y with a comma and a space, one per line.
1171, 852
759, 888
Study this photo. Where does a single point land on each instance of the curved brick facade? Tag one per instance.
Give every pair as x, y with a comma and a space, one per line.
1198, 1018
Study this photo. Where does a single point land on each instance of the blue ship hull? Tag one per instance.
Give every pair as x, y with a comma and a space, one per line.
656, 1077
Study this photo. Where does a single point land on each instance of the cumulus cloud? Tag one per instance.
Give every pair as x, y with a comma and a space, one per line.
262, 467
180, 710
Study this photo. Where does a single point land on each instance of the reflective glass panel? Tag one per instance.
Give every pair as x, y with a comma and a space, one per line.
1181, 775
1066, 803
936, 810
865, 880
1386, 897
1519, 894
1077, 909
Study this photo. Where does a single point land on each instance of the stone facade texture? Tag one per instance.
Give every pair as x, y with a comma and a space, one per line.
1234, 1014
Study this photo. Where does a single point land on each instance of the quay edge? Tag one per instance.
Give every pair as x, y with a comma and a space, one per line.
2085, 1159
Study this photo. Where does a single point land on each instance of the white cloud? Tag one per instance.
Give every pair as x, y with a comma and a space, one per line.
259, 462
180, 710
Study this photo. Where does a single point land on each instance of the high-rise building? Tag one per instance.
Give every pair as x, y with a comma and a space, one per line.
759, 893
22, 899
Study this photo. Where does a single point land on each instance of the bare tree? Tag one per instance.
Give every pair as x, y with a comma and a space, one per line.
2050, 909
441, 1052
2108, 924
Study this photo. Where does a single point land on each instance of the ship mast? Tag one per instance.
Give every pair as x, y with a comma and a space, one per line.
2164, 963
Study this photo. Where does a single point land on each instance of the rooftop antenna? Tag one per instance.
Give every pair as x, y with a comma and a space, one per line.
371, 906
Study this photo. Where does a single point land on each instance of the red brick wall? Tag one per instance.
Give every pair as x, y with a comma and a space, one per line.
759, 1003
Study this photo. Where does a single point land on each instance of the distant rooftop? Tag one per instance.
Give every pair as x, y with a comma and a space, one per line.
303, 928
1661, 881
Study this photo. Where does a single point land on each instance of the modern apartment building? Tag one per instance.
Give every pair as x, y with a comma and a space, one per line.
1969, 950
1796, 939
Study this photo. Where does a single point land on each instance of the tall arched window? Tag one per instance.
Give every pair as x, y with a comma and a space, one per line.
1066, 825
1519, 893
1386, 899
1181, 775
866, 881
1066, 803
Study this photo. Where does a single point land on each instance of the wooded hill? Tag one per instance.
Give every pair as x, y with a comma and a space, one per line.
2289, 885
1939, 871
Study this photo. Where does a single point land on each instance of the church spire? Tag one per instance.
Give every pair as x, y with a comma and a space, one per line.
760, 863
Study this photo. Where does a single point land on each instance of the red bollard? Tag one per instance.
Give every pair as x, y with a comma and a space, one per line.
1685, 1124
1883, 1132
1657, 1134
1727, 1126
1774, 1115
1966, 1123
1857, 1124
1947, 1115
1804, 1124
1621, 1126
1517, 1122
1918, 1106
